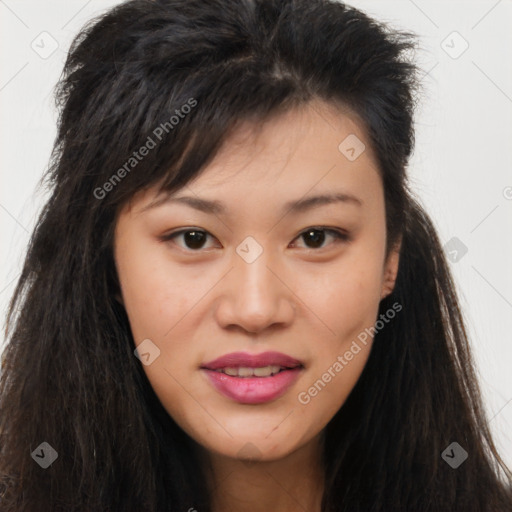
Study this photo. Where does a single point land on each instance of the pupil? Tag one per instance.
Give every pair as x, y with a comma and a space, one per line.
317, 239
194, 239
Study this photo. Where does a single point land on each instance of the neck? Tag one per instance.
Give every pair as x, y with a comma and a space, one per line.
294, 482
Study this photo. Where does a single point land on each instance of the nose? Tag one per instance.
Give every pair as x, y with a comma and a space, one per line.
255, 297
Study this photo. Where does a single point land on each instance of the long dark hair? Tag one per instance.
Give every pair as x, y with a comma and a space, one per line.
69, 375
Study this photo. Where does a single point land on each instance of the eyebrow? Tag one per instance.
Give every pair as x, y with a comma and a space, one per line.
297, 206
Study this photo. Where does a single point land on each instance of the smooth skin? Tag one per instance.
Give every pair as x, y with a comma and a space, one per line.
306, 295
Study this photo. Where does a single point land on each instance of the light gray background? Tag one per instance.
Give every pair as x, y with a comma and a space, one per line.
461, 168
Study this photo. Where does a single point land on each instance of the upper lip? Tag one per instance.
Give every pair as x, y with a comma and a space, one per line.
246, 360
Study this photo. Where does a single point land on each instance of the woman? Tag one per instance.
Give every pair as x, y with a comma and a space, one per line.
232, 300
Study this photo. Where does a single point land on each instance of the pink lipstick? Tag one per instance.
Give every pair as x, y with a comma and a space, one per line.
253, 378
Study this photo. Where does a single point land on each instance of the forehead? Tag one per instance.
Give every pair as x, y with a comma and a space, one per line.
314, 148
317, 148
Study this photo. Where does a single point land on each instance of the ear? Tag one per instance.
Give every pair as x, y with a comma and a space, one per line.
391, 270
119, 298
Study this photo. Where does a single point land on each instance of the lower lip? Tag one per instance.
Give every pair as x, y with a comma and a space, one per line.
253, 390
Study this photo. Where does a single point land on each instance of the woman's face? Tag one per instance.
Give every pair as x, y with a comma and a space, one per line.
258, 260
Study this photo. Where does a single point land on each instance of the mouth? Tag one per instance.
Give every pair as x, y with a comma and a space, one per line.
253, 379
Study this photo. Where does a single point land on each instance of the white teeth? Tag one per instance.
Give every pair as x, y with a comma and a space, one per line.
265, 371
245, 372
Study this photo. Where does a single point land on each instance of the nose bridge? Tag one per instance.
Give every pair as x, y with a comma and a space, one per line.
254, 298
256, 290
256, 280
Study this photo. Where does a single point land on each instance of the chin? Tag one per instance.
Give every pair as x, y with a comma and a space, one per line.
256, 447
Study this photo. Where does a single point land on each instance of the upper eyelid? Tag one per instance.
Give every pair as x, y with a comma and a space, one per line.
305, 230
320, 227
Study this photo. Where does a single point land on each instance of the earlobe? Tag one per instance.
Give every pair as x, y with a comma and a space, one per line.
391, 272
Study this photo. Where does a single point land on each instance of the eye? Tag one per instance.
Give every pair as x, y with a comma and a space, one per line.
192, 239
314, 237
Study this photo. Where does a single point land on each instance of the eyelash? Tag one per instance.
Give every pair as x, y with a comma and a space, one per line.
339, 236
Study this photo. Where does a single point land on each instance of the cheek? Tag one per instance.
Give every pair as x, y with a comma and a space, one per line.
159, 304
346, 300
155, 295
346, 295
